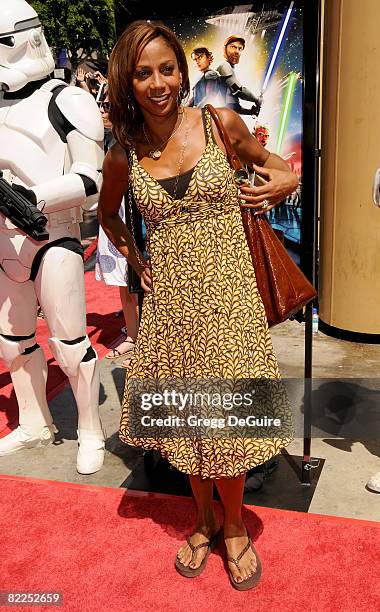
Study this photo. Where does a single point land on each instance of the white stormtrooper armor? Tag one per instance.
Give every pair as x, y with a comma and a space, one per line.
51, 148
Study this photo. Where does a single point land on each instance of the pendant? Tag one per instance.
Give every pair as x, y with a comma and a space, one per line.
155, 154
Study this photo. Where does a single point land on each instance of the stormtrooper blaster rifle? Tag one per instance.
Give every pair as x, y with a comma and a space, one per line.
22, 213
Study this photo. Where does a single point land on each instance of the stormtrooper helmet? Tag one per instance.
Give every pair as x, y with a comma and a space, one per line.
24, 53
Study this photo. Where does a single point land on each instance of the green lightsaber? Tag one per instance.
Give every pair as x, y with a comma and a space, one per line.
286, 110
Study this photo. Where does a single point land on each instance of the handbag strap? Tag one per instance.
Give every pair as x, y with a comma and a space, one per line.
232, 157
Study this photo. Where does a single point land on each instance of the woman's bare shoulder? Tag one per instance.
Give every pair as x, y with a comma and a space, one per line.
116, 159
230, 119
118, 154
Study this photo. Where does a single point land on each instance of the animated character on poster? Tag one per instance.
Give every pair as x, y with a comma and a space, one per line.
261, 132
208, 90
233, 48
51, 151
258, 53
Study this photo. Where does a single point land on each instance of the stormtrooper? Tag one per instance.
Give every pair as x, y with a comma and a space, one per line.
51, 151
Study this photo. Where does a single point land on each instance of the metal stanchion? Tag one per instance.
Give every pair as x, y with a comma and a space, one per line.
306, 462
309, 259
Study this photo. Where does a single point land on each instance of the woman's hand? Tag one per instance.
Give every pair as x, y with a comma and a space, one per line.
142, 267
146, 279
279, 184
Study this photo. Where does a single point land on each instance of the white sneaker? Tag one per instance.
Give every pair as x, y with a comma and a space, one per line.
91, 451
374, 483
18, 440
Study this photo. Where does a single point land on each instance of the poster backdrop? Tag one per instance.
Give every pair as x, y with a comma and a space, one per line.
266, 65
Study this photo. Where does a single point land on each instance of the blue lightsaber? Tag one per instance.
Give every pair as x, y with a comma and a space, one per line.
278, 46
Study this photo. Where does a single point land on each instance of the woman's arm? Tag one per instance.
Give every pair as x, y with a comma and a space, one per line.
115, 185
281, 181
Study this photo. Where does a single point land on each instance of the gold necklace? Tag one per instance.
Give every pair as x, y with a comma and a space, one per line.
156, 153
182, 156
140, 260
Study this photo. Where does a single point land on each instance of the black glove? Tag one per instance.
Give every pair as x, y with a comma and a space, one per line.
27, 193
256, 107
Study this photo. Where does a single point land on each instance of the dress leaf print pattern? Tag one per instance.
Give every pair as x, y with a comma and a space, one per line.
204, 319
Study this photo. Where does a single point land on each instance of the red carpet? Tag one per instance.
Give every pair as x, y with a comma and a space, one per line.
103, 329
111, 551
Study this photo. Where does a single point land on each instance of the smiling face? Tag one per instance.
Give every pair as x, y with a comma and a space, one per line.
157, 78
147, 70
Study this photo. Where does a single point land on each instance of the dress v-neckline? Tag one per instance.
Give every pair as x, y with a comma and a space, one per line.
195, 168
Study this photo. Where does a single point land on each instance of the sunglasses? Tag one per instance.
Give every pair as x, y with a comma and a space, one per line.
105, 106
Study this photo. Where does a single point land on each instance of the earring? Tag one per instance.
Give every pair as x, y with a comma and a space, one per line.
180, 95
130, 105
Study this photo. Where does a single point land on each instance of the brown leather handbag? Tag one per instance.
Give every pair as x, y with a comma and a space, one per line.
284, 289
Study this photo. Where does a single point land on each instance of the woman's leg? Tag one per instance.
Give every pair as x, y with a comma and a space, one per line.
131, 315
130, 306
206, 522
131, 312
231, 494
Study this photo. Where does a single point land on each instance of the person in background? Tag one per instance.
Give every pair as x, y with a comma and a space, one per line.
104, 107
90, 81
111, 265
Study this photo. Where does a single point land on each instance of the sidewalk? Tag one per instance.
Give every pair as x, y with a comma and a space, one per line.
341, 487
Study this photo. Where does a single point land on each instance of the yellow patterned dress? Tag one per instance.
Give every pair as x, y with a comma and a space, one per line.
205, 318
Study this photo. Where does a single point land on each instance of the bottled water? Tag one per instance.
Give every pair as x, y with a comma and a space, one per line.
315, 321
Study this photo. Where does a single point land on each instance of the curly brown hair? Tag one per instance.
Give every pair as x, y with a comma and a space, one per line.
125, 115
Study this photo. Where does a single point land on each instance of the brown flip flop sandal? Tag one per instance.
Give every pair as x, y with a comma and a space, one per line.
189, 572
252, 581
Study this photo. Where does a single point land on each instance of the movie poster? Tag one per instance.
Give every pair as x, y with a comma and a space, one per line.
258, 73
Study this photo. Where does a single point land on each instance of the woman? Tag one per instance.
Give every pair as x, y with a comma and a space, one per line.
202, 315
111, 266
